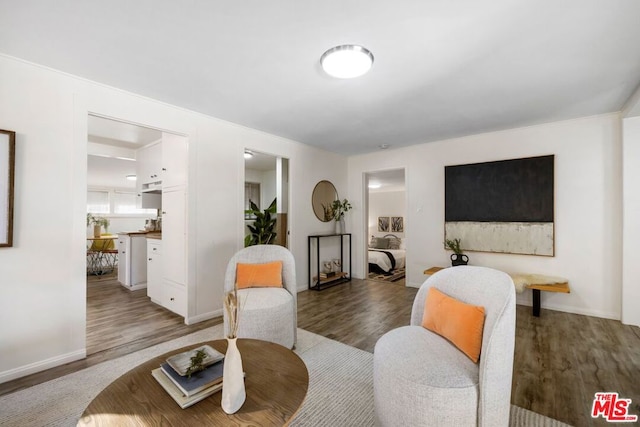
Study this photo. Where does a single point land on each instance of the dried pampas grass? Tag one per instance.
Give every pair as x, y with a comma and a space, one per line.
231, 306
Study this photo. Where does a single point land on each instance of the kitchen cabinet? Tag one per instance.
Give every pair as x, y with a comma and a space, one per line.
174, 235
175, 298
132, 261
162, 164
160, 289
174, 160
167, 173
154, 270
149, 165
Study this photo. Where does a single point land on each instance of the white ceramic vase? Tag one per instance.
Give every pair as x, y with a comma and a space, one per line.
233, 393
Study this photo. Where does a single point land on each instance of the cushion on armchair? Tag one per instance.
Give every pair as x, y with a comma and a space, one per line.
458, 322
259, 275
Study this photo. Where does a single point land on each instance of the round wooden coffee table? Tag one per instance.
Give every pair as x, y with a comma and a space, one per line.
276, 384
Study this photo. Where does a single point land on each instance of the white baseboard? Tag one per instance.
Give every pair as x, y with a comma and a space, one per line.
574, 310
137, 287
41, 365
202, 317
526, 299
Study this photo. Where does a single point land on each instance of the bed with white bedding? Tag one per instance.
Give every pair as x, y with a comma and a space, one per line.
385, 254
382, 260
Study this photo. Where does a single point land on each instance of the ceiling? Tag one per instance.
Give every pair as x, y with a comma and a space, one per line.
109, 172
261, 162
120, 134
108, 167
442, 68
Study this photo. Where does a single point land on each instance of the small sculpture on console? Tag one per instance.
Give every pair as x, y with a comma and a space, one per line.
327, 266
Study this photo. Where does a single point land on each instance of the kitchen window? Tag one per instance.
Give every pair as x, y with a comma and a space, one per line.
98, 201
115, 202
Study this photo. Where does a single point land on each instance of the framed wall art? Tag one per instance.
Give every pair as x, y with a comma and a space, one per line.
383, 223
397, 224
502, 206
7, 172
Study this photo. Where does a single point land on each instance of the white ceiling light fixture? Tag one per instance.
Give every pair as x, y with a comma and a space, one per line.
375, 185
248, 154
346, 61
131, 177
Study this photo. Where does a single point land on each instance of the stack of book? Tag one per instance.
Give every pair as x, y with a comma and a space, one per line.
327, 275
188, 389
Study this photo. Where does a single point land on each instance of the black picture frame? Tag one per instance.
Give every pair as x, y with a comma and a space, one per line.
7, 177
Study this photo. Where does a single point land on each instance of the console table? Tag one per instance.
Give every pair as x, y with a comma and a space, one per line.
316, 282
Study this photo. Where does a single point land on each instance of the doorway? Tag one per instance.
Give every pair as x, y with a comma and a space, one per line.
117, 319
266, 190
386, 208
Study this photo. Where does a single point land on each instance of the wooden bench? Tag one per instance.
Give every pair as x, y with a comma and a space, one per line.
535, 288
432, 270
557, 287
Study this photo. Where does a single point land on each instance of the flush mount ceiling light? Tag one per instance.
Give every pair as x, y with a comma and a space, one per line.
248, 154
374, 185
131, 177
346, 61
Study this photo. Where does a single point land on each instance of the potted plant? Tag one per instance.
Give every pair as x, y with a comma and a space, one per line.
98, 222
457, 257
339, 208
263, 228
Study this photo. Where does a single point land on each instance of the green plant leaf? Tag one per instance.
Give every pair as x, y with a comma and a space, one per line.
262, 229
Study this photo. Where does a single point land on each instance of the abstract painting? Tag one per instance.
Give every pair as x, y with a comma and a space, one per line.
397, 224
502, 206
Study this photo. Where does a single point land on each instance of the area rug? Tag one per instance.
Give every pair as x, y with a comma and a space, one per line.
395, 275
340, 387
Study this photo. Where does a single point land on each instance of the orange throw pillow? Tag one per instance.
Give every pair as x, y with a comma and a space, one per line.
259, 275
458, 322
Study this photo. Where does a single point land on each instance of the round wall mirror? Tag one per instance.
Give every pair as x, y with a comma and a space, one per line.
323, 195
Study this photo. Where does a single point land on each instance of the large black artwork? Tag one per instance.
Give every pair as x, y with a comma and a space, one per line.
518, 190
502, 206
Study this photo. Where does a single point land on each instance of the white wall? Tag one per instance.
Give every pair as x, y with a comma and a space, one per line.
631, 226
588, 202
46, 306
267, 181
385, 203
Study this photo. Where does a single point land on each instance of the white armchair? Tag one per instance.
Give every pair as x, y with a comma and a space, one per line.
268, 314
422, 379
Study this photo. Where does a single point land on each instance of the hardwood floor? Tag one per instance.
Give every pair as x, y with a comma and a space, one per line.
119, 322
356, 313
561, 359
